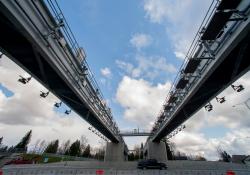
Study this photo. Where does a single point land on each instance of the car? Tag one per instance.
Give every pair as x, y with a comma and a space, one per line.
151, 164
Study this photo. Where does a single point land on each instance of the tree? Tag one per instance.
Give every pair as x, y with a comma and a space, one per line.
1, 140
35, 148
4, 149
99, 153
141, 151
225, 157
11, 149
23, 144
64, 148
84, 142
52, 147
131, 157
86, 152
42, 146
200, 158
136, 152
75, 149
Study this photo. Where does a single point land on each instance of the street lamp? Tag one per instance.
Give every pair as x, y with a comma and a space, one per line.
209, 107
238, 88
220, 100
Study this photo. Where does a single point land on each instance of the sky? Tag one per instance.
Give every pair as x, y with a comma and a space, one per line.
135, 49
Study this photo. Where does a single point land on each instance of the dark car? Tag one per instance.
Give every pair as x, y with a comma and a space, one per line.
151, 164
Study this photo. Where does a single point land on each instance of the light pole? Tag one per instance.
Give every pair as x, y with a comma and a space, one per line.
243, 103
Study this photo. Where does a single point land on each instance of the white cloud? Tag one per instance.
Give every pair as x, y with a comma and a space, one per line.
141, 100
147, 67
195, 143
224, 114
180, 55
128, 67
233, 119
25, 110
140, 40
180, 18
106, 72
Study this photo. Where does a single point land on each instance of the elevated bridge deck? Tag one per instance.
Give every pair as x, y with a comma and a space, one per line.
42, 43
218, 56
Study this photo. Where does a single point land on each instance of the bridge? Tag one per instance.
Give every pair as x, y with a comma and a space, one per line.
36, 36
218, 56
135, 133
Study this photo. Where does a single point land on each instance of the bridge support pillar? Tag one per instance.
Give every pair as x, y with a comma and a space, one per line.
155, 150
115, 152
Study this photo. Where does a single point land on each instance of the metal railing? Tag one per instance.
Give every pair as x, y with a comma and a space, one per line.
58, 32
194, 49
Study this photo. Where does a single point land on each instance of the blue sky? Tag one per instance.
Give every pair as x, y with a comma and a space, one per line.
134, 49
105, 28
6, 91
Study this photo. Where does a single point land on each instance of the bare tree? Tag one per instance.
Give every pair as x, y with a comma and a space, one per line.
36, 145
64, 147
83, 143
172, 146
136, 152
42, 146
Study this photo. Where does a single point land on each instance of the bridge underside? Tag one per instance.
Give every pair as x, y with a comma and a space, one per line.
235, 65
18, 47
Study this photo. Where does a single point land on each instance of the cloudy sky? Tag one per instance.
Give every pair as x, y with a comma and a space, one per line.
135, 49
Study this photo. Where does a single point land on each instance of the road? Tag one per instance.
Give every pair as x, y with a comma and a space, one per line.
128, 168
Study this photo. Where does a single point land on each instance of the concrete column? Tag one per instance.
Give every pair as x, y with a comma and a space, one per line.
155, 150
115, 152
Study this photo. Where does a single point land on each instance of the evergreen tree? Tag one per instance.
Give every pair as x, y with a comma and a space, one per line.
1, 140
86, 152
141, 151
52, 147
225, 157
131, 157
75, 148
11, 149
23, 144
4, 149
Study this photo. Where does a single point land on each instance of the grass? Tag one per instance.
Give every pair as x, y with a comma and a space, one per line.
41, 158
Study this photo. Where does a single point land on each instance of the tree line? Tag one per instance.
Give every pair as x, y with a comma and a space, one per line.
79, 147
